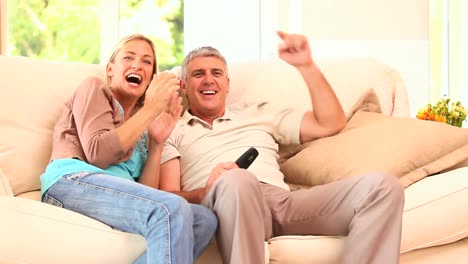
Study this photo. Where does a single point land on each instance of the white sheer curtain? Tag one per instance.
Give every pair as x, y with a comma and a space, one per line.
449, 51
456, 19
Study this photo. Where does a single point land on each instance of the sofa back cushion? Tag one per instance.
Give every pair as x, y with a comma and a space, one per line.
280, 83
408, 148
33, 94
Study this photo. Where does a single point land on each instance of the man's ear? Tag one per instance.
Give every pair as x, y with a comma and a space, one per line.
183, 94
229, 85
182, 87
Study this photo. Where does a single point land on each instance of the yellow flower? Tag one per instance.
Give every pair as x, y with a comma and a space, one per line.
440, 112
422, 114
440, 118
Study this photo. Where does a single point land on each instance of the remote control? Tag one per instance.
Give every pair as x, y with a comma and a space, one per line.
247, 158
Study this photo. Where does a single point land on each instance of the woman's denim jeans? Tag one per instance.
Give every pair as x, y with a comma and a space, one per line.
175, 230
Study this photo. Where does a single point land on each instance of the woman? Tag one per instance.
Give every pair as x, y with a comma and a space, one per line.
106, 150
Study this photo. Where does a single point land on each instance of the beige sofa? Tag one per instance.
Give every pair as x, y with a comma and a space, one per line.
435, 220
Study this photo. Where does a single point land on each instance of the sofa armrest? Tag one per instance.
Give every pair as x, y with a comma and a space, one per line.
5, 188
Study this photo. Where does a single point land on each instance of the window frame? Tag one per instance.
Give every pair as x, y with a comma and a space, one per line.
3, 27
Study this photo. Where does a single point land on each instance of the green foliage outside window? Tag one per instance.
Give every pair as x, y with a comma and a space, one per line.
70, 30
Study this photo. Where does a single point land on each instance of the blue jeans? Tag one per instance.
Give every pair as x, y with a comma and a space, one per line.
175, 230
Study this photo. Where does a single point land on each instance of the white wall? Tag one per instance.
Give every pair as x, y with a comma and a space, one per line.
393, 31
230, 26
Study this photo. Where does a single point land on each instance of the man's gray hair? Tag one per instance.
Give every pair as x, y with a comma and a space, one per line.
206, 51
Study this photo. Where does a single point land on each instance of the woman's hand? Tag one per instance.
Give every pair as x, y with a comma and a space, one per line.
162, 126
161, 91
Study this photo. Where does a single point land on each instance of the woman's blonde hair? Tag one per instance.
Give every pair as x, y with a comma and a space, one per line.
119, 46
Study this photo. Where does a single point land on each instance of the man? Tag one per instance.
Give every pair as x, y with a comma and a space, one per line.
254, 205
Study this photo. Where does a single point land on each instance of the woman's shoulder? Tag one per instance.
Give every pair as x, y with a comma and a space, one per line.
93, 79
91, 91
93, 86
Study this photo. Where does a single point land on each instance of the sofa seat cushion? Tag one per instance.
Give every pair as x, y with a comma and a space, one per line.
54, 235
440, 198
453, 253
436, 211
305, 249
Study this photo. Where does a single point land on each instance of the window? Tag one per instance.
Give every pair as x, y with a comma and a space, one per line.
86, 30
449, 50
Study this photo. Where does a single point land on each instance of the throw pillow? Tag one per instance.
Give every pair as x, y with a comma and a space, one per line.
407, 148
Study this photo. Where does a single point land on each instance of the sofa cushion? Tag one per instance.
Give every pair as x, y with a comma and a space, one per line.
440, 198
53, 235
282, 85
5, 189
408, 148
443, 200
454, 253
33, 195
33, 95
306, 249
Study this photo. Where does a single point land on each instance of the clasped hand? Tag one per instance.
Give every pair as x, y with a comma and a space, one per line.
163, 97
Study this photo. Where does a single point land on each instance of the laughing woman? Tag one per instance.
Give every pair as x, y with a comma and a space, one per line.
106, 150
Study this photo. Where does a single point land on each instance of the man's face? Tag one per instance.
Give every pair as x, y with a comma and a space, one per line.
206, 87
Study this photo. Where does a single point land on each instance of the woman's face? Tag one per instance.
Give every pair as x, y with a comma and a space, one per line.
132, 70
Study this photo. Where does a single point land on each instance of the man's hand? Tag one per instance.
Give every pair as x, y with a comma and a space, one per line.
216, 172
295, 49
